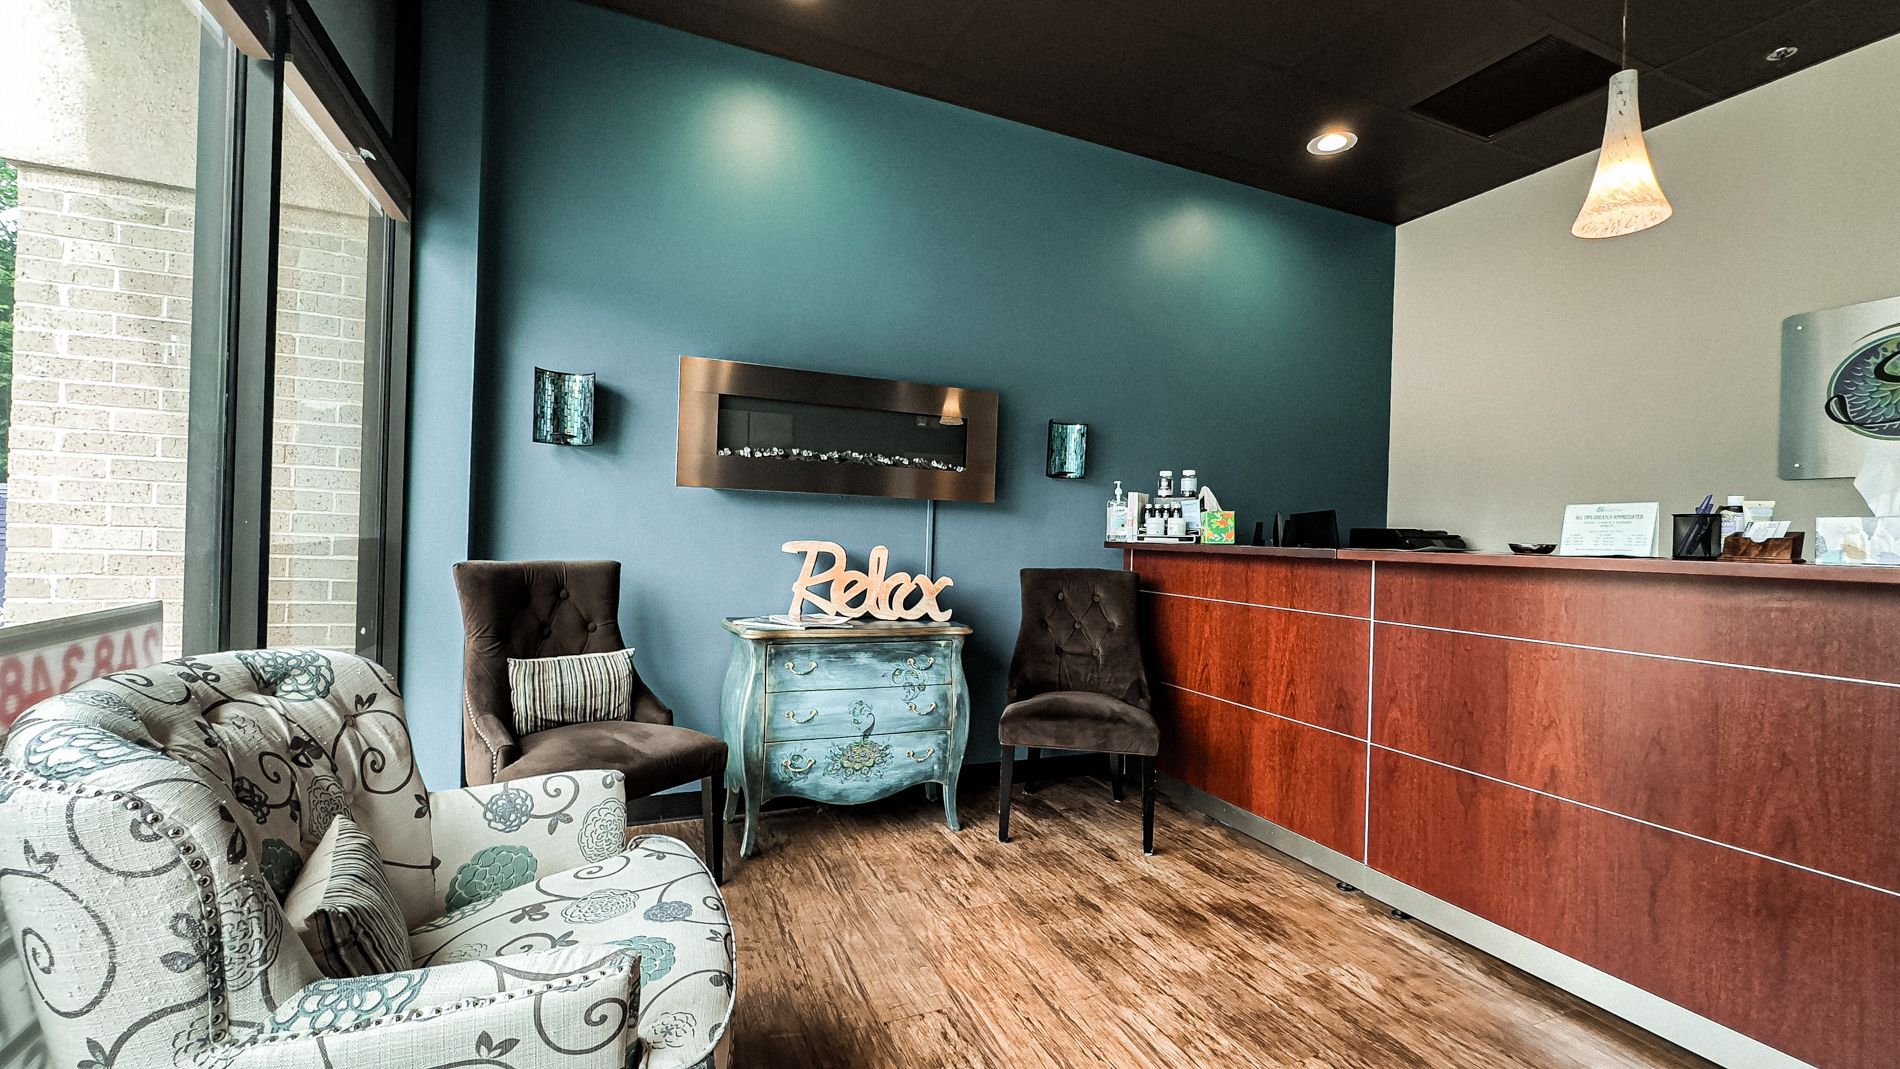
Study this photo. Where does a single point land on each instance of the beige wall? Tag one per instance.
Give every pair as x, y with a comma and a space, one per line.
1532, 369
88, 83
110, 87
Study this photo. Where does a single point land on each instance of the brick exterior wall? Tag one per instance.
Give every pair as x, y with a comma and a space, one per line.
102, 340
316, 457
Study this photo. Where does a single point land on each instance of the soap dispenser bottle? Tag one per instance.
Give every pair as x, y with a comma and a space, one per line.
1117, 515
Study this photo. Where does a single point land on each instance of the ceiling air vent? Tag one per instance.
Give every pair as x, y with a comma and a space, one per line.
1521, 86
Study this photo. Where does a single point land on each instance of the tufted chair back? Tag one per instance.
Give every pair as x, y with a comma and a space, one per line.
539, 608
163, 813
1078, 633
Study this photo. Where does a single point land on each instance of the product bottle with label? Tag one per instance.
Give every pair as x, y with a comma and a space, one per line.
1177, 523
1117, 515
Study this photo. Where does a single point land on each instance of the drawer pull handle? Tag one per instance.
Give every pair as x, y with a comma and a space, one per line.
924, 667
925, 756
923, 712
792, 667
790, 765
796, 719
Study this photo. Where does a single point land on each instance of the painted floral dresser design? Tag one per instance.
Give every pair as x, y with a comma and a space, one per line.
844, 715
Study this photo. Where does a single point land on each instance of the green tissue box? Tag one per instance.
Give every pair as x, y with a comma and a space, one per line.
1217, 528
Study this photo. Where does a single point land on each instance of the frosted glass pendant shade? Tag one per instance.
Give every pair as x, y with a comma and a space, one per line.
1624, 195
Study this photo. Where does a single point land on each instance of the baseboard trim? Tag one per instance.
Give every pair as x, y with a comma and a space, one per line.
1691, 1031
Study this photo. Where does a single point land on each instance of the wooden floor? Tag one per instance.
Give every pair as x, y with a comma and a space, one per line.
874, 937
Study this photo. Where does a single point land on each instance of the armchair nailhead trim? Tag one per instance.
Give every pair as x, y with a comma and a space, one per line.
176, 834
563, 983
494, 758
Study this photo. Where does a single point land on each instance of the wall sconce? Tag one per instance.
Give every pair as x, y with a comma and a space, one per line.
563, 407
1068, 450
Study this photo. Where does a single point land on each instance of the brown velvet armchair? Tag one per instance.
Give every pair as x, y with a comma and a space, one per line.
527, 609
1078, 681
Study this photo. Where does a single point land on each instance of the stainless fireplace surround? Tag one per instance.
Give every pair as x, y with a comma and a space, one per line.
758, 427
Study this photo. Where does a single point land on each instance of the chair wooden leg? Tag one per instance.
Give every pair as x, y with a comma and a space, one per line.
1034, 778
1002, 807
1116, 762
712, 806
1147, 805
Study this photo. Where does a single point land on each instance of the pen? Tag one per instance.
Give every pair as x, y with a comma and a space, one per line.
1696, 529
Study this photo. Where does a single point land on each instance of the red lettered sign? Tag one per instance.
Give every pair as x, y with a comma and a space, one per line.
51, 657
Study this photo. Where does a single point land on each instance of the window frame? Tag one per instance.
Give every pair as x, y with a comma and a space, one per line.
274, 47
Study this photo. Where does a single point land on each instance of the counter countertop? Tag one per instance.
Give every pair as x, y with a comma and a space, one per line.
1866, 574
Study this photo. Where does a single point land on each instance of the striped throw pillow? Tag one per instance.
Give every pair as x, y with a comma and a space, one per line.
342, 908
550, 691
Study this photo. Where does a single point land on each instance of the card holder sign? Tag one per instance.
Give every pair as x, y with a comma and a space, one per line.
1622, 529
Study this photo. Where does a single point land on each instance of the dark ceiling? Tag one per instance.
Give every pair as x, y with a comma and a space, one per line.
1236, 88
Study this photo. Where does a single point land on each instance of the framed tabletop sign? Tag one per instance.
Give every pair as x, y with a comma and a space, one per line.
1622, 529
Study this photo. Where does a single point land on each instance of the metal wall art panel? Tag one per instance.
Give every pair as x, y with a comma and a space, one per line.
1840, 388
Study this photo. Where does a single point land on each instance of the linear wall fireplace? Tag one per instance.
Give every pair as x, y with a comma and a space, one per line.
757, 427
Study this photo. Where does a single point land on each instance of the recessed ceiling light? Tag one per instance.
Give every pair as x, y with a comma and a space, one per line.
1785, 52
1332, 142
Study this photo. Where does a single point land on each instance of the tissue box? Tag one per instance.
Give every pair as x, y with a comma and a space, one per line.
1217, 528
1857, 540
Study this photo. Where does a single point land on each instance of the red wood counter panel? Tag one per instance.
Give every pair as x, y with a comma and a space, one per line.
1798, 768
1840, 629
1308, 781
1803, 962
1305, 666
1288, 582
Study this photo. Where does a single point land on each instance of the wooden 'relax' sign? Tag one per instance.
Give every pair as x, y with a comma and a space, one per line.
854, 593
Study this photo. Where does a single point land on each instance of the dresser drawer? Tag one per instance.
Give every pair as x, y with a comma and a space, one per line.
827, 714
855, 769
838, 665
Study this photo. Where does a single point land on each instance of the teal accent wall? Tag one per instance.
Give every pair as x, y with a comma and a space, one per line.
446, 269
648, 193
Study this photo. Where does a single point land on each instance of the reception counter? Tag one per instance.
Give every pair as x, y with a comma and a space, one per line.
1670, 787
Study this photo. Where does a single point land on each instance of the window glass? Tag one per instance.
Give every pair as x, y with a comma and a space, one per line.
98, 140
324, 267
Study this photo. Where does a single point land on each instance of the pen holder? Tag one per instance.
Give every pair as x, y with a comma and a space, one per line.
1783, 550
1698, 536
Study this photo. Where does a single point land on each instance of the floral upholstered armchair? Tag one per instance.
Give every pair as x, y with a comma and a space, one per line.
151, 823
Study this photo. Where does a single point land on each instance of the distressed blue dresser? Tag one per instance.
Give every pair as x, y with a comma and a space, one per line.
843, 715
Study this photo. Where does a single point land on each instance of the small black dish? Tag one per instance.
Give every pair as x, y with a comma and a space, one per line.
1533, 547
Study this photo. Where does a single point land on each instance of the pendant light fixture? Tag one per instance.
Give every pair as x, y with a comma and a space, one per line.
1624, 194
